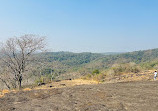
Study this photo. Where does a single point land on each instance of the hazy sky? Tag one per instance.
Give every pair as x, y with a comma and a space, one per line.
83, 25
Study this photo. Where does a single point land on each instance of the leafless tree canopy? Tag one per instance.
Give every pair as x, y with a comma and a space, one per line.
16, 53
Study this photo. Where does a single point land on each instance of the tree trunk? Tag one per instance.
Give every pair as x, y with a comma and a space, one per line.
19, 84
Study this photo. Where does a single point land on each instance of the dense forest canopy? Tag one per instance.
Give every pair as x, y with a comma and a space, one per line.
91, 59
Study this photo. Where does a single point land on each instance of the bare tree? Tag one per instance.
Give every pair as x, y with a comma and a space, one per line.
16, 54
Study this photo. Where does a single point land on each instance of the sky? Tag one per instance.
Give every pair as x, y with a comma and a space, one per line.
83, 25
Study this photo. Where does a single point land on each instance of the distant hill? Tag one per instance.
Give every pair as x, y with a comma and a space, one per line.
69, 58
68, 62
65, 62
73, 59
145, 57
112, 53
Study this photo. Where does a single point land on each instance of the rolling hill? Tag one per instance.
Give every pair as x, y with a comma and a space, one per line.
99, 61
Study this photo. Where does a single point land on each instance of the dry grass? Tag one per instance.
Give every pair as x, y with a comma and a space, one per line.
123, 96
61, 84
143, 76
67, 83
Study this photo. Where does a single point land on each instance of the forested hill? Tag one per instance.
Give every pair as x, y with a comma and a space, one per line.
145, 57
77, 59
87, 62
69, 58
139, 56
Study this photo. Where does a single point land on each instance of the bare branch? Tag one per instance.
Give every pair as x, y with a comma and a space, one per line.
16, 53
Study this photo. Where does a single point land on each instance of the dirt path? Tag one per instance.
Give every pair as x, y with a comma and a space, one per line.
125, 96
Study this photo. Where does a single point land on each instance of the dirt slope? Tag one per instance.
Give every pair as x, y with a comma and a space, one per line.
59, 84
126, 96
66, 83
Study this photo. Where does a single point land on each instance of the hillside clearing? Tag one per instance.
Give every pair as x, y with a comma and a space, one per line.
59, 84
123, 96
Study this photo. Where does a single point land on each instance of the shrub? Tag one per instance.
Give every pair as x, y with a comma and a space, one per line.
95, 72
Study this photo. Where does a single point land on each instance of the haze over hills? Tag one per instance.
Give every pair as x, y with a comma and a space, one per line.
112, 53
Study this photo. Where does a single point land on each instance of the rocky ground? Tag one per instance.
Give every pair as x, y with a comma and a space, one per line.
122, 96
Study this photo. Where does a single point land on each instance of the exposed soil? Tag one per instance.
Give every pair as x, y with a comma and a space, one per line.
125, 96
